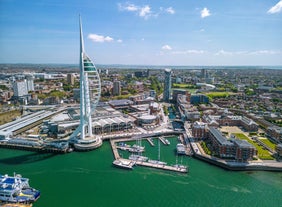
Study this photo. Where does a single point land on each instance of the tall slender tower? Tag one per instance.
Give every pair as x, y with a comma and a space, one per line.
90, 92
167, 85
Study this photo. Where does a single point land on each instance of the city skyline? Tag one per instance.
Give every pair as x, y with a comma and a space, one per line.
143, 33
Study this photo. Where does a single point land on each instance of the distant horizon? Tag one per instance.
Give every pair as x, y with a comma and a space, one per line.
144, 65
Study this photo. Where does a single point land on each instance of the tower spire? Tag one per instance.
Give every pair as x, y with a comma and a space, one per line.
81, 36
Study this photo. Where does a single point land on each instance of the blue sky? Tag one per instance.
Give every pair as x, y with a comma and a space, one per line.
156, 32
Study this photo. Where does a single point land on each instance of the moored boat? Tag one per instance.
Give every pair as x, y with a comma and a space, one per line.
122, 163
15, 189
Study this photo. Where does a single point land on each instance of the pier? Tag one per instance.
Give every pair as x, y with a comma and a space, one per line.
163, 167
115, 150
162, 140
151, 142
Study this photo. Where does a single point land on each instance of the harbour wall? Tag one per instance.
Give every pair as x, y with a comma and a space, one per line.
241, 166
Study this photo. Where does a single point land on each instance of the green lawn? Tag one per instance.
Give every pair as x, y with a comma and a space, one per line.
262, 153
268, 143
9, 116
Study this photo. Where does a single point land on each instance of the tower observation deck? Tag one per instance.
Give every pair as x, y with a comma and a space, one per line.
90, 92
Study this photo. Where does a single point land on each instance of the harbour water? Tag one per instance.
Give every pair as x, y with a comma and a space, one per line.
89, 179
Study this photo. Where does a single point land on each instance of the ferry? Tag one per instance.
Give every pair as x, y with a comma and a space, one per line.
15, 189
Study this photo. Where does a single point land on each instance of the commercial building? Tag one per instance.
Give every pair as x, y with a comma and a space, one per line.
117, 88
229, 120
199, 99
30, 83
167, 85
177, 92
20, 88
70, 78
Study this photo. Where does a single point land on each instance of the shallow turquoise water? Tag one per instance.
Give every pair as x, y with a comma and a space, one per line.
89, 179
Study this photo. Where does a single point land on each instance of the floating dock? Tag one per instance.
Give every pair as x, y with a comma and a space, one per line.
163, 167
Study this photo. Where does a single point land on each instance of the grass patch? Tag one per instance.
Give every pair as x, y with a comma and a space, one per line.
9, 116
262, 153
268, 143
205, 148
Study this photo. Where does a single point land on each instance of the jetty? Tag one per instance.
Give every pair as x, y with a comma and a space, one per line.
115, 150
151, 142
162, 167
163, 140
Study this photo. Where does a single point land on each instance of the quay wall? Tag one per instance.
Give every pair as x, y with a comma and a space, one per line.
242, 167
33, 148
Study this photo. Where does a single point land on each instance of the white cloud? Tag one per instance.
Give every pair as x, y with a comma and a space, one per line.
185, 52
119, 41
99, 38
145, 12
128, 7
170, 10
265, 52
276, 8
205, 13
258, 52
223, 52
166, 47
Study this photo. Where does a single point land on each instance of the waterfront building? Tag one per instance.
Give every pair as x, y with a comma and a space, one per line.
199, 130
240, 150
117, 88
70, 78
120, 104
90, 92
167, 85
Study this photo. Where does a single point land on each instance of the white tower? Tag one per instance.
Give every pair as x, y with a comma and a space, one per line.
90, 91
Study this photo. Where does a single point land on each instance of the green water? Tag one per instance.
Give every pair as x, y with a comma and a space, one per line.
89, 179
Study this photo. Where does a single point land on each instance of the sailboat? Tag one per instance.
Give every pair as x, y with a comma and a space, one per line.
138, 149
180, 166
158, 162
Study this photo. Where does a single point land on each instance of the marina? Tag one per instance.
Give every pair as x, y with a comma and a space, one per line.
139, 160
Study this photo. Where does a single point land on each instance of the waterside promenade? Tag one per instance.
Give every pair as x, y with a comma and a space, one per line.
233, 165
